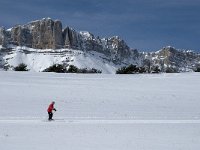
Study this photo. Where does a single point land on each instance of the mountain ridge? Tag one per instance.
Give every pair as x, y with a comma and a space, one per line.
47, 35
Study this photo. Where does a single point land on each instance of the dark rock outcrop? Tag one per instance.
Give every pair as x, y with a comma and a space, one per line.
71, 39
21, 36
46, 34
4, 37
118, 48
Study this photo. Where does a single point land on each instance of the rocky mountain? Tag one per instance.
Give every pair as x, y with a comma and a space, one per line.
44, 42
169, 57
49, 34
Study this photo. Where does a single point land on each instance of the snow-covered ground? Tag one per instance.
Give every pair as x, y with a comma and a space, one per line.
39, 59
99, 111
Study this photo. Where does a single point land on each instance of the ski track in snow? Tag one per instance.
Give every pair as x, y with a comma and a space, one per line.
97, 121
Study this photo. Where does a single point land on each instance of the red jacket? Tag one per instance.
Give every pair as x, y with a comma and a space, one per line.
50, 108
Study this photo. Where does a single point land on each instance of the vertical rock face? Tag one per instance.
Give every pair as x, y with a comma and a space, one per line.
4, 37
46, 34
57, 35
21, 36
71, 39
2, 34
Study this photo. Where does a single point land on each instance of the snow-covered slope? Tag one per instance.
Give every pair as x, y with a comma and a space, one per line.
38, 60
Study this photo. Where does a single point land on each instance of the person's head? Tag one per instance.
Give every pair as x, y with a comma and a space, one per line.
53, 102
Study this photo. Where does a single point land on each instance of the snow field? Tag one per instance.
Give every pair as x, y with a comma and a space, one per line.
101, 112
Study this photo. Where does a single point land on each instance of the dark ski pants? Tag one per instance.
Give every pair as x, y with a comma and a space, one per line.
50, 115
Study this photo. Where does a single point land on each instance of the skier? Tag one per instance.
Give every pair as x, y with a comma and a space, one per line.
50, 110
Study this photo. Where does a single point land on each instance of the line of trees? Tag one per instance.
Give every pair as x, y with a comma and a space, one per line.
133, 69
58, 68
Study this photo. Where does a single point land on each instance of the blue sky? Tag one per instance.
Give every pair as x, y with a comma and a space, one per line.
144, 24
